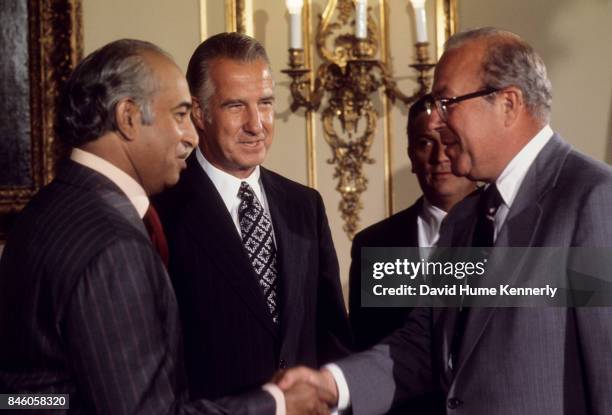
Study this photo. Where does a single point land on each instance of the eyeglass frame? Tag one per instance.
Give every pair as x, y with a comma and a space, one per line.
441, 104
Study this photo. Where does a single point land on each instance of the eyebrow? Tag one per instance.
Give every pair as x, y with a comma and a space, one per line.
183, 105
231, 102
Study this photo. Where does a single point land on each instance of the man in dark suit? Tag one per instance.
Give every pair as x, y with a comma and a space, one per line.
86, 306
491, 102
417, 226
251, 254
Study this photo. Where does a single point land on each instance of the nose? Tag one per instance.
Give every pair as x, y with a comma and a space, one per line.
190, 136
253, 124
439, 155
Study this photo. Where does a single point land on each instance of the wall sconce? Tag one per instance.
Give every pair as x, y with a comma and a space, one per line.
348, 76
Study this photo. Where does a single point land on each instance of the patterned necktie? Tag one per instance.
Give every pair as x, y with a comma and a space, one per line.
156, 233
256, 230
484, 236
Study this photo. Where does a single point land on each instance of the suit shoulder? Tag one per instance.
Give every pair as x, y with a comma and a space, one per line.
582, 169
385, 230
75, 217
289, 186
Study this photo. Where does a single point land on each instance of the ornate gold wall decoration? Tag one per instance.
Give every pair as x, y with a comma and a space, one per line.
349, 75
54, 46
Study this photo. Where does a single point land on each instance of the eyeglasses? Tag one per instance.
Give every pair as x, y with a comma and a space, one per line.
442, 104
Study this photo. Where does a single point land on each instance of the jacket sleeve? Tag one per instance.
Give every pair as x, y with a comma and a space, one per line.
123, 339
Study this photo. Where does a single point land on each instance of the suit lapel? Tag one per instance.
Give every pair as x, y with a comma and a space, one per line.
519, 230
288, 243
214, 231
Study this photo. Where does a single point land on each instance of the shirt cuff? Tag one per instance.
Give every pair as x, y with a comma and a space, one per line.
279, 397
344, 398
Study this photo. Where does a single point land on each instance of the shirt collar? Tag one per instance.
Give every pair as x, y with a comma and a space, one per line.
228, 185
510, 180
132, 189
433, 215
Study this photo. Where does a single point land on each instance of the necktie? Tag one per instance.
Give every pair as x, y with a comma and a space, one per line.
256, 230
484, 236
489, 203
156, 233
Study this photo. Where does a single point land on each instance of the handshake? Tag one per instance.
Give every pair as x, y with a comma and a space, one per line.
307, 391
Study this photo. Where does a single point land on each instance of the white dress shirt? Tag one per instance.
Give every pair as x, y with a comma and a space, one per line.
508, 183
132, 189
228, 186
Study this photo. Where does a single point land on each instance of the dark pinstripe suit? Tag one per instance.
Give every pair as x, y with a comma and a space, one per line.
86, 307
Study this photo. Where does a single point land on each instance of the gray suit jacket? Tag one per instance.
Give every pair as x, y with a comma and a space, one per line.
513, 360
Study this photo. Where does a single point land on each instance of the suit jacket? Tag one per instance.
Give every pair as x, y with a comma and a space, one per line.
512, 360
370, 325
231, 342
87, 308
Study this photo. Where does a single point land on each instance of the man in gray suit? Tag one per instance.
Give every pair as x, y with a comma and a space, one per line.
491, 102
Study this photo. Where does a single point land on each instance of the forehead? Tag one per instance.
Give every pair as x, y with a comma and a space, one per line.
459, 70
235, 76
171, 85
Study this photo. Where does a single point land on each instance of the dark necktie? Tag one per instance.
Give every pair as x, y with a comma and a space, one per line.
156, 233
484, 236
484, 232
256, 230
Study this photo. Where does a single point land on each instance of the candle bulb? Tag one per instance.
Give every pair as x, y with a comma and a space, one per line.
295, 23
420, 20
361, 20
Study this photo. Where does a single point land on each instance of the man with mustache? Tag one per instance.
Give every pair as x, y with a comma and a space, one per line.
86, 306
491, 91
251, 254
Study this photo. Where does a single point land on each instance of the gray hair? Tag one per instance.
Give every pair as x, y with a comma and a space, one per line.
112, 73
509, 60
231, 45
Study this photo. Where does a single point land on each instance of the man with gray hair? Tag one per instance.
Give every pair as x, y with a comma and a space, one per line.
86, 306
491, 102
251, 254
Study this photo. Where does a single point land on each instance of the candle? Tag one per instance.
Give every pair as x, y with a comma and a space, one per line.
419, 20
295, 23
361, 30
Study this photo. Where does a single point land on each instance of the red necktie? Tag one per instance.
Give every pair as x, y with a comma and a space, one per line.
156, 233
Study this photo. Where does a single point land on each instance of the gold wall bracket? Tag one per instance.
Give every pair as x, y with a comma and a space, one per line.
348, 77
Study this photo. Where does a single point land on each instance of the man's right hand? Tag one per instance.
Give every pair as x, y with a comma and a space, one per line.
304, 398
321, 381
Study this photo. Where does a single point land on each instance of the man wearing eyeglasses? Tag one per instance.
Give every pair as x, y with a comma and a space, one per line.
491, 103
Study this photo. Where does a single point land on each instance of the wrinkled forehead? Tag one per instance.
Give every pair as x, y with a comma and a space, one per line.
459, 70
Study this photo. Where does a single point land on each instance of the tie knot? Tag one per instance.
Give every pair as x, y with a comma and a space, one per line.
491, 200
246, 192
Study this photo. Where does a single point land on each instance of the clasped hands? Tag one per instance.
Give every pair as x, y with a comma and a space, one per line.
307, 391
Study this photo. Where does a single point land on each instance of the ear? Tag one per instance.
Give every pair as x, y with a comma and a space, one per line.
128, 118
197, 114
512, 104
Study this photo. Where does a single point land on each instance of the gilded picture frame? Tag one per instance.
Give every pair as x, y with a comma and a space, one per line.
45, 42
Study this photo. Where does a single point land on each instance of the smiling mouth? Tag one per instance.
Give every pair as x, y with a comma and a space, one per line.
251, 143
